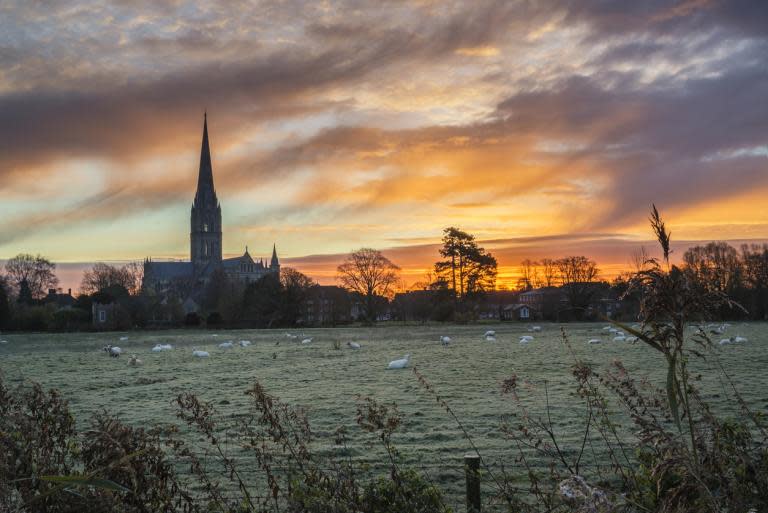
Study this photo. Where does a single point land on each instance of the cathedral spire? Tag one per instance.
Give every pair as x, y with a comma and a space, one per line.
205, 217
205, 186
274, 262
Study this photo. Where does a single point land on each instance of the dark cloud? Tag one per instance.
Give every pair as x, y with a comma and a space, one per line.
134, 116
666, 100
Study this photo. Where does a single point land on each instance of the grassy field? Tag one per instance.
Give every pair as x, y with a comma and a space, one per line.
326, 381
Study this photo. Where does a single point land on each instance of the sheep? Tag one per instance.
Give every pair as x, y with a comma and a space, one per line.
112, 351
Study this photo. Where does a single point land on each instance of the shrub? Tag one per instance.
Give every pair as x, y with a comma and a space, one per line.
70, 319
33, 318
46, 465
192, 319
214, 319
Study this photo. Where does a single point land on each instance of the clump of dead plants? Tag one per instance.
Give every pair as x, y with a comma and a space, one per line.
47, 465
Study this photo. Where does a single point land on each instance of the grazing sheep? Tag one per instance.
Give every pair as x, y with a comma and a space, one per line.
134, 361
733, 340
445, 340
200, 354
490, 333
594, 341
244, 343
226, 345
307, 340
354, 345
399, 364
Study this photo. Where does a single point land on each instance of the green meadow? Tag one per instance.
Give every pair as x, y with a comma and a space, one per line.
326, 382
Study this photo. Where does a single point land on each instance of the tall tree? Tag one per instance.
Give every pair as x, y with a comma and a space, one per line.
468, 269
368, 272
578, 275
295, 288
37, 271
755, 265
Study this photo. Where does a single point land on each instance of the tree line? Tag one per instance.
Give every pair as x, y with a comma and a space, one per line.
456, 289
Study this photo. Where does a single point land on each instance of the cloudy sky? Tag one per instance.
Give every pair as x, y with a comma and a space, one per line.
545, 128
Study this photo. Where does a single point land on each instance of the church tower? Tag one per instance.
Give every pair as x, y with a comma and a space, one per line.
205, 233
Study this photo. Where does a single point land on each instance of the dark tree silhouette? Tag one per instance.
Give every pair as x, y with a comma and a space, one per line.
37, 271
578, 275
102, 276
368, 272
468, 269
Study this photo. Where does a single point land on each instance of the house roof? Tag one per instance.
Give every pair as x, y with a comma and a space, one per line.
518, 306
169, 270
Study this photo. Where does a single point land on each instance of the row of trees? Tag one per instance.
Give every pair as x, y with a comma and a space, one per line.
457, 287
740, 274
459, 281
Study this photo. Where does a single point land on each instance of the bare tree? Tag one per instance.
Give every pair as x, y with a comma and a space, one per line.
549, 272
368, 272
529, 275
578, 274
639, 260
716, 266
426, 282
102, 276
36, 271
136, 271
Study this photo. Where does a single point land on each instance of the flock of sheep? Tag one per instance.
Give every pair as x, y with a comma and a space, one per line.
615, 334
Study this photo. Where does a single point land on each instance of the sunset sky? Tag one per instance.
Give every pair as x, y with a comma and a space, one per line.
544, 130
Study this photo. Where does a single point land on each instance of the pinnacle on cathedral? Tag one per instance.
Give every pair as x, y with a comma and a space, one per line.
206, 192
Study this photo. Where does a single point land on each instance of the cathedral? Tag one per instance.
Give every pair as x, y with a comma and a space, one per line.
205, 239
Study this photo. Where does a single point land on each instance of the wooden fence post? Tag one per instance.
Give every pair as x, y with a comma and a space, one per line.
472, 470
